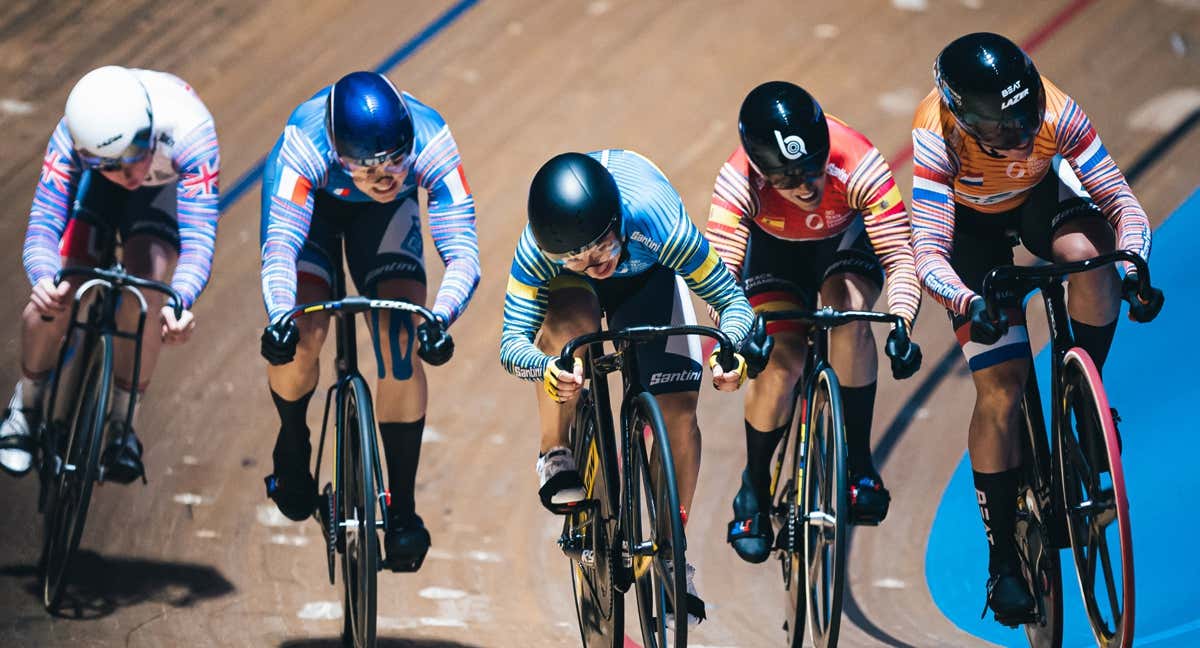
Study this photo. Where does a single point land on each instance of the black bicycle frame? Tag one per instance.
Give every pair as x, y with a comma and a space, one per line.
820, 322
598, 365
1016, 282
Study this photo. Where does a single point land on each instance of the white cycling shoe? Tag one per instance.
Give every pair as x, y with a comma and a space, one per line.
561, 488
695, 605
16, 423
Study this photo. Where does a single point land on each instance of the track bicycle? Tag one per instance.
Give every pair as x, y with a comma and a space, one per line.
629, 531
1073, 492
810, 489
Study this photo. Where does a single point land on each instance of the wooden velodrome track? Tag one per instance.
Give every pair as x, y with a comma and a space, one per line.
197, 559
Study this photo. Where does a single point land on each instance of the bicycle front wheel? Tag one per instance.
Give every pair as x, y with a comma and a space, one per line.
589, 533
1097, 508
654, 526
787, 518
75, 461
826, 509
1036, 513
357, 495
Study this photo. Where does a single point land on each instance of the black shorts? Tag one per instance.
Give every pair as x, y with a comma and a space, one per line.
101, 206
784, 275
984, 241
657, 297
382, 241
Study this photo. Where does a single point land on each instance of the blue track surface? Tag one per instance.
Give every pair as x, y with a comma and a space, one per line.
1151, 377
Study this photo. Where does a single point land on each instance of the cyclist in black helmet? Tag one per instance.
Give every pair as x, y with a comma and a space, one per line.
1001, 154
805, 208
608, 234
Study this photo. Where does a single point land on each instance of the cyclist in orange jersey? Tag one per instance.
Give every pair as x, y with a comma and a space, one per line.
1002, 155
806, 206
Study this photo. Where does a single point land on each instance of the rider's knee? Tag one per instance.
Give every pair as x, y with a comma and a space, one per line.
999, 388
1082, 239
313, 329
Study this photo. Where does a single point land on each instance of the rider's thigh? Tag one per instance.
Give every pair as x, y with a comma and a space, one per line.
313, 327
849, 291
573, 310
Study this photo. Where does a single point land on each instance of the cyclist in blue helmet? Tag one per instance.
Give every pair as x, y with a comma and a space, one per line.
350, 161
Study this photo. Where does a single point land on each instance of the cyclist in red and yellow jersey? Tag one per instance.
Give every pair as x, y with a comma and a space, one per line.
807, 207
1002, 155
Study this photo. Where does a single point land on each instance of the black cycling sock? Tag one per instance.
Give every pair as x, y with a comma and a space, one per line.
402, 449
996, 494
858, 406
1096, 340
293, 425
760, 447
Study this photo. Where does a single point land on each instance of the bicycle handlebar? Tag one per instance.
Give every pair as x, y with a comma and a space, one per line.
640, 334
827, 318
119, 279
358, 304
1020, 275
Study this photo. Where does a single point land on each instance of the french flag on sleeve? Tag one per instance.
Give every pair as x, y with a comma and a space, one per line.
293, 186
456, 182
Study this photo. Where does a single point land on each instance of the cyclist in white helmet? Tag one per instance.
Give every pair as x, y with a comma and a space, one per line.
135, 152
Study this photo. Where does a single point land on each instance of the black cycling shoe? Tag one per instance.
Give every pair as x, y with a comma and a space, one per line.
122, 458
407, 541
750, 532
869, 500
292, 486
1008, 596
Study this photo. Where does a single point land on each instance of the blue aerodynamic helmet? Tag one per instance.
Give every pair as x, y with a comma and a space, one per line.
368, 121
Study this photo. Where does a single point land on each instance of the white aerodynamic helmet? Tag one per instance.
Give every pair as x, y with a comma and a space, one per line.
109, 117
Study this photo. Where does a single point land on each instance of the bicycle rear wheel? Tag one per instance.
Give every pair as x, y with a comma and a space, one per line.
655, 527
1039, 554
74, 472
589, 534
786, 517
826, 508
357, 498
1097, 508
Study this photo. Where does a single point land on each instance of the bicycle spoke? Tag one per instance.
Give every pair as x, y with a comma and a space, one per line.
1110, 583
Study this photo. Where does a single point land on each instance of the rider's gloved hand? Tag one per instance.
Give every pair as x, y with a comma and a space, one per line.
562, 385
50, 300
984, 329
727, 380
756, 348
279, 342
1142, 307
904, 353
176, 331
435, 346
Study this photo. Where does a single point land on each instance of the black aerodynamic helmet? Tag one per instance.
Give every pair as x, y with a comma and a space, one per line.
573, 203
993, 89
784, 133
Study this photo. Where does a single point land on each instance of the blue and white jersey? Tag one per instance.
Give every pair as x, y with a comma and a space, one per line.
303, 161
655, 230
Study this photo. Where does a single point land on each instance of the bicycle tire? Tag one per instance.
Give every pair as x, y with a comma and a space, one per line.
357, 496
1087, 437
786, 518
599, 607
826, 509
1039, 555
660, 566
70, 496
